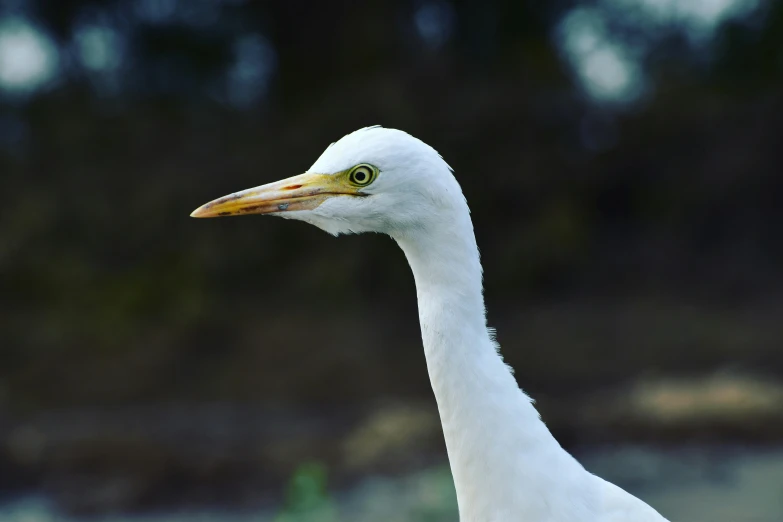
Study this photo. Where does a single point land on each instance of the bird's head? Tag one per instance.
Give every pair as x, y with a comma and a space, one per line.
372, 180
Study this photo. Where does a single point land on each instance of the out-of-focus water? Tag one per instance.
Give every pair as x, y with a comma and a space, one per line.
717, 484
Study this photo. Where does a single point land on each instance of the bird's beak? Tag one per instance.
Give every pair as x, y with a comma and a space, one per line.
304, 192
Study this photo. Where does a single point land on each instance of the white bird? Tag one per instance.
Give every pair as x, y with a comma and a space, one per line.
507, 466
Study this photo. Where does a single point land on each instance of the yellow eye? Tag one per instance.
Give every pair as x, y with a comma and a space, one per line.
362, 175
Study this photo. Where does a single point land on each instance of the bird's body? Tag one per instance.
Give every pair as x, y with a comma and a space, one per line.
507, 466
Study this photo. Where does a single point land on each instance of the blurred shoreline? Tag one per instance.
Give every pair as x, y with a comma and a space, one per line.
697, 483
241, 455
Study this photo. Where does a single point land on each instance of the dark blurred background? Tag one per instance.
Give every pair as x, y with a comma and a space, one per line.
622, 162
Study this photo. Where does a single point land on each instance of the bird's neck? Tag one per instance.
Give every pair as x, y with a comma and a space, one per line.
498, 447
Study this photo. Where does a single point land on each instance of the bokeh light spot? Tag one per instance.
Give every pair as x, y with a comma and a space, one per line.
249, 76
605, 69
99, 48
435, 22
155, 11
28, 57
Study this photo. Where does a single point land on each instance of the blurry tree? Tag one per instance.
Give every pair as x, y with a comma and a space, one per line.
609, 152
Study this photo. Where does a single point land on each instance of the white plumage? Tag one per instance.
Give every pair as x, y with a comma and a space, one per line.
507, 466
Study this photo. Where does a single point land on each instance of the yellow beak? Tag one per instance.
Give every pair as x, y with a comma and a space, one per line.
304, 192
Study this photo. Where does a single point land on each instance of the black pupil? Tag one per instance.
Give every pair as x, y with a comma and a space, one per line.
360, 176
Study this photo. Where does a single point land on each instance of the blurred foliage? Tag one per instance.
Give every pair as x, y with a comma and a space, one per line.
427, 497
109, 293
307, 498
686, 484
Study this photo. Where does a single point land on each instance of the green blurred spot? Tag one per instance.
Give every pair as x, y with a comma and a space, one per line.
307, 498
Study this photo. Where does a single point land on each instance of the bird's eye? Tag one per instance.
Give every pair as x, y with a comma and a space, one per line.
362, 175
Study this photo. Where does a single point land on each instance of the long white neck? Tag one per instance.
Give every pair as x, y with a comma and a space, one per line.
505, 462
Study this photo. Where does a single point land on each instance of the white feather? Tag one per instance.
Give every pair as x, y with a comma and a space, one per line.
507, 466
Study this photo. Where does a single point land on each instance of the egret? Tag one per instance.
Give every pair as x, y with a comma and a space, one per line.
507, 466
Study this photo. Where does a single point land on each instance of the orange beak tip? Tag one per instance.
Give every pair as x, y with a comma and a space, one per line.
198, 213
